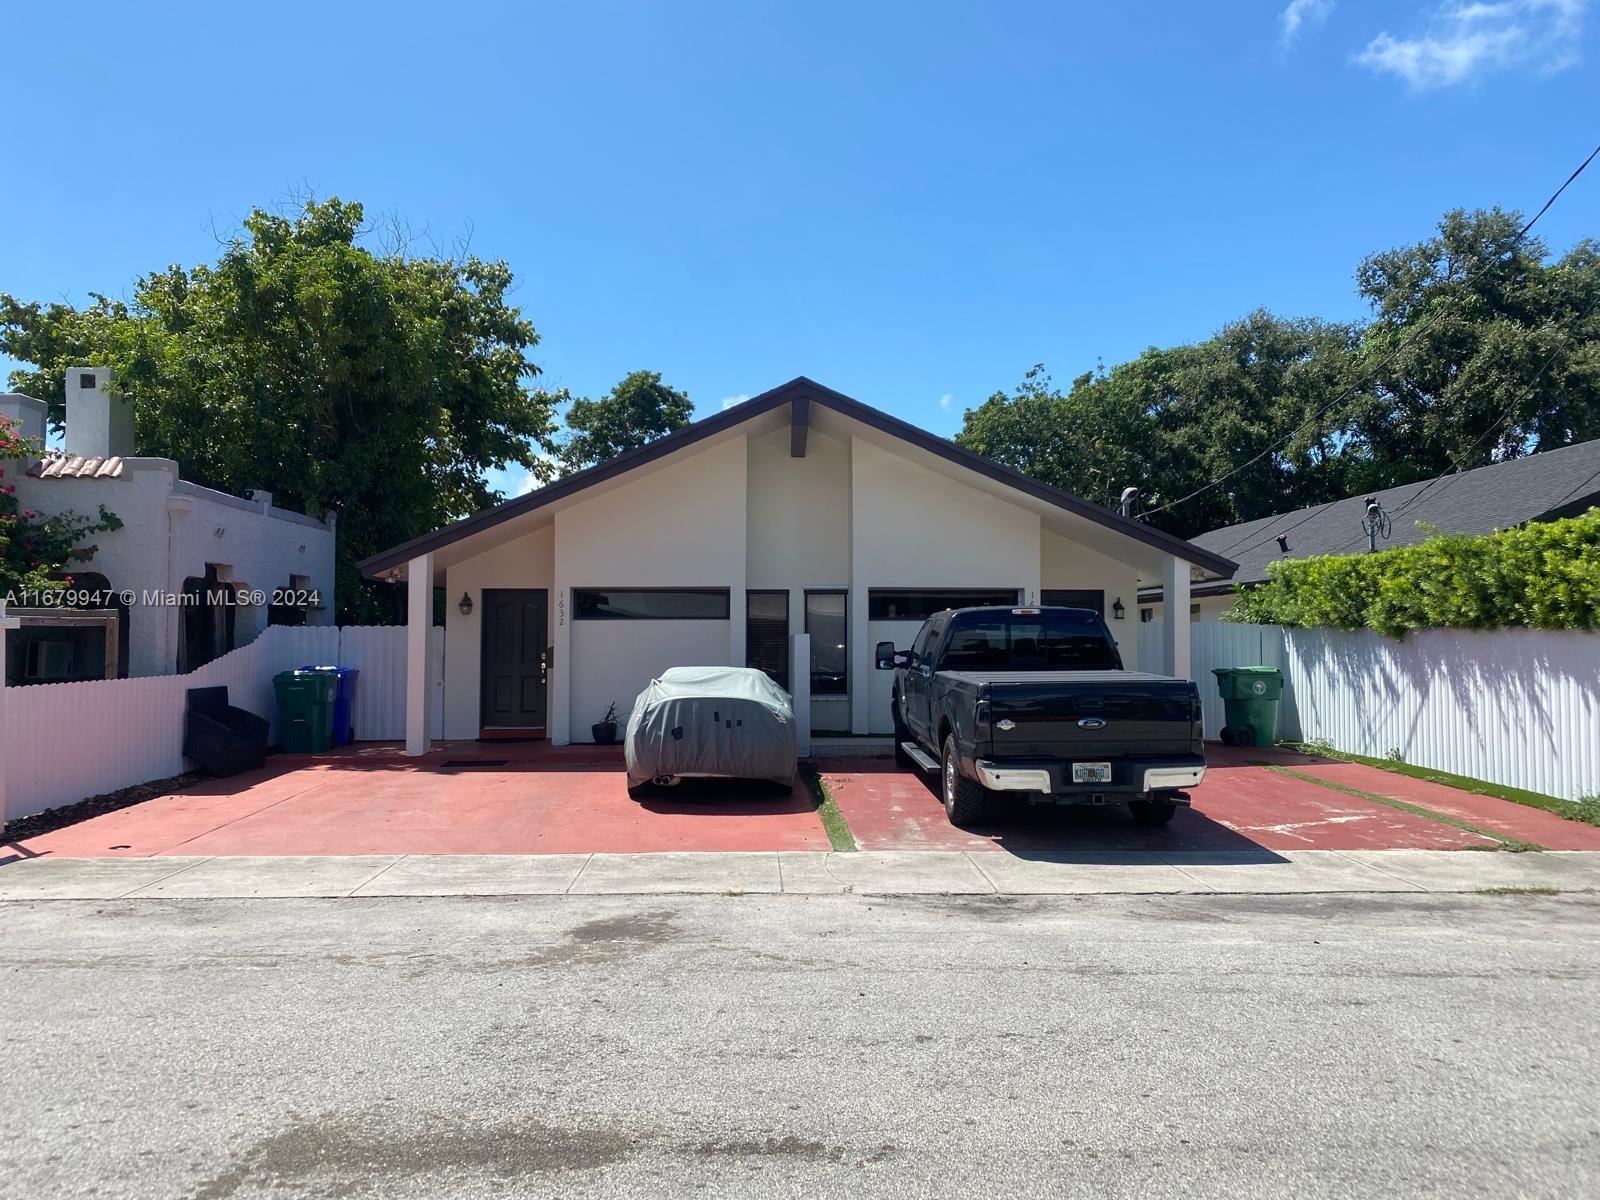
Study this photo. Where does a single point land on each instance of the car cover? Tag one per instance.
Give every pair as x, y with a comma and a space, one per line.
731, 721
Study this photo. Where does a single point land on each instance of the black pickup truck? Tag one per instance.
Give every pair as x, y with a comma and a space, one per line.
1035, 700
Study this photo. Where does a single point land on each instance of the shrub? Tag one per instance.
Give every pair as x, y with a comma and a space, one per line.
1543, 576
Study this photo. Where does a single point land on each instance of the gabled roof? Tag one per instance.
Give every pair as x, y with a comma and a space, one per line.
800, 394
1539, 487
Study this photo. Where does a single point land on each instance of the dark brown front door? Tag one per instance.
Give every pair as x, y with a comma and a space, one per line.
514, 658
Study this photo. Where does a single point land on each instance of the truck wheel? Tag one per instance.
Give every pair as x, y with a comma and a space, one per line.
901, 735
965, 801
1155, 811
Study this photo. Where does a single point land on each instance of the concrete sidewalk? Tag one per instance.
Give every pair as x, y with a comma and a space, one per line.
799, 872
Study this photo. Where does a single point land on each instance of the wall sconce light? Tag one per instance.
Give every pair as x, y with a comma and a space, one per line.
466, 604
1117, 611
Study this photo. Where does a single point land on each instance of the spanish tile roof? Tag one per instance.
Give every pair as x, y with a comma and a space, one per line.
1547, 486
77, 467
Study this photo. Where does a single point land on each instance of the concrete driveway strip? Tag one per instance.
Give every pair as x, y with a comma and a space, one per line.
681, 873
85, 878
1283, 872
477, 875
886, 872
285, 876
1065, 873
1470, 871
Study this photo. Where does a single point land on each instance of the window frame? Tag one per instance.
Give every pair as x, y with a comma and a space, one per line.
805, 607
726, 595
1044, 594
788, 667
971, 597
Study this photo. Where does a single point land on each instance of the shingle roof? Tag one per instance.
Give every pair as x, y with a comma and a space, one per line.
77, 467
1556, 483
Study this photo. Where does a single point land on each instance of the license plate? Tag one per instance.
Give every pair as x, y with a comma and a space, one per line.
1091, 772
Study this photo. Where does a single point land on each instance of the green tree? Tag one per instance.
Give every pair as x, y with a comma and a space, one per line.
37, 553
1174, 419
343, 378
638, 410
1481, 348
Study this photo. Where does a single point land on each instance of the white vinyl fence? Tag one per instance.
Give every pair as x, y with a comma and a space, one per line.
66, 741
1519, 707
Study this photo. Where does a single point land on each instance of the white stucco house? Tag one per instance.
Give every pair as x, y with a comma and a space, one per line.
800, 511
192, 573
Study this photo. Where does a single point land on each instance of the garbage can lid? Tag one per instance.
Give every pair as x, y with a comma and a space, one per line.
1246, 671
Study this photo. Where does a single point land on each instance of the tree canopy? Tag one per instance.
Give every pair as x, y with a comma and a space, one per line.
638, 410
1479, 348
343, 378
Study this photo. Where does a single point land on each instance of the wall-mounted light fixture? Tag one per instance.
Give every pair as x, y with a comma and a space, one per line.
1117, 611
466, 604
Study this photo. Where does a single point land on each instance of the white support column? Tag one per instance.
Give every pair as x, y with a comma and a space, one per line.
419, 623
1175, 629
800, 690
5, 624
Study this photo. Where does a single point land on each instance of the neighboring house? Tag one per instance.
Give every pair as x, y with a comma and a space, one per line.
800, 510
191, 574
1539, 487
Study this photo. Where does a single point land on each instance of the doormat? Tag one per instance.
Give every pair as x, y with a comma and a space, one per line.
506, 741
457, 764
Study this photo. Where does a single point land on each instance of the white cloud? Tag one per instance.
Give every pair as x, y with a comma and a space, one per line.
946, 400
729, 401
1478, 36
1302, 14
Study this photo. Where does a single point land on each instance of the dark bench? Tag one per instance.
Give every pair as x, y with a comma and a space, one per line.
221, 738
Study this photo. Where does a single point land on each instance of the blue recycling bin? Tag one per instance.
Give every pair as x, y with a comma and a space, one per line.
344, 698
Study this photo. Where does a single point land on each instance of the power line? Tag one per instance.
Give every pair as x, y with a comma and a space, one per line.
1456, 465
1454, 470
1404, 344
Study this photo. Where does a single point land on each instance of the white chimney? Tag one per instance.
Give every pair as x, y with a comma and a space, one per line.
27, 412
99, 425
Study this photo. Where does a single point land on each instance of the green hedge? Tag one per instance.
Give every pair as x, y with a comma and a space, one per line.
1543, 576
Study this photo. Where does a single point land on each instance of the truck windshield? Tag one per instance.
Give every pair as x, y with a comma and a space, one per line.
1043, 641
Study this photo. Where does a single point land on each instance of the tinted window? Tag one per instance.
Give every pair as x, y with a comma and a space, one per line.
650, 604
918, 604
1093, 598
766, 636
826, 623
1047, 641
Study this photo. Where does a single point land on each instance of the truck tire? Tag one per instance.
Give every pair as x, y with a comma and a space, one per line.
965, 800
1153, 812
901, 736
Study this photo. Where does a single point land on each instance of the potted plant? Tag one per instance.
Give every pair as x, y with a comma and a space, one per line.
605, 730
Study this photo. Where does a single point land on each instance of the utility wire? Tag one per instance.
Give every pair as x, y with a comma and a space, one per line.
1454, 470
1404, 344
1456, 465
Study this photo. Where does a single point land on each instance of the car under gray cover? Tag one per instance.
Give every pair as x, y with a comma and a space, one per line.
723, 721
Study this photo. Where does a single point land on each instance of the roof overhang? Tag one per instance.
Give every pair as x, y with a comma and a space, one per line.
803, 405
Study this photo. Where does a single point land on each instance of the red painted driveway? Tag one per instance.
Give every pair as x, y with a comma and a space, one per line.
371, 799
374, 800
1239, 807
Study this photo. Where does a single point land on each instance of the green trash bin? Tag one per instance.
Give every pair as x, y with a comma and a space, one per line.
305, 710
1250, 704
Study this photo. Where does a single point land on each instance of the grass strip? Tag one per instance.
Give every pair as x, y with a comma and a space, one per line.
1518, 891
839, 835
1515, 845
1587, 812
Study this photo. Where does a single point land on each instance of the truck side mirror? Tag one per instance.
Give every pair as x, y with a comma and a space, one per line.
888, 658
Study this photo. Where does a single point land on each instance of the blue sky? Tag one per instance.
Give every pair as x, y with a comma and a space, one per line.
912, 202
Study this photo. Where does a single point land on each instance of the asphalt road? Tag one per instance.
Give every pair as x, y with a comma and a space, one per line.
791, 1046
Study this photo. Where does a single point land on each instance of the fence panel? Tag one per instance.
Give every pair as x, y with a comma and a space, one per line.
1214, 644
65, 741
1519, 707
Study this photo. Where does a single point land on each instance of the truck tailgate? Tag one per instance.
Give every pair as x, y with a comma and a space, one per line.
1091, 715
